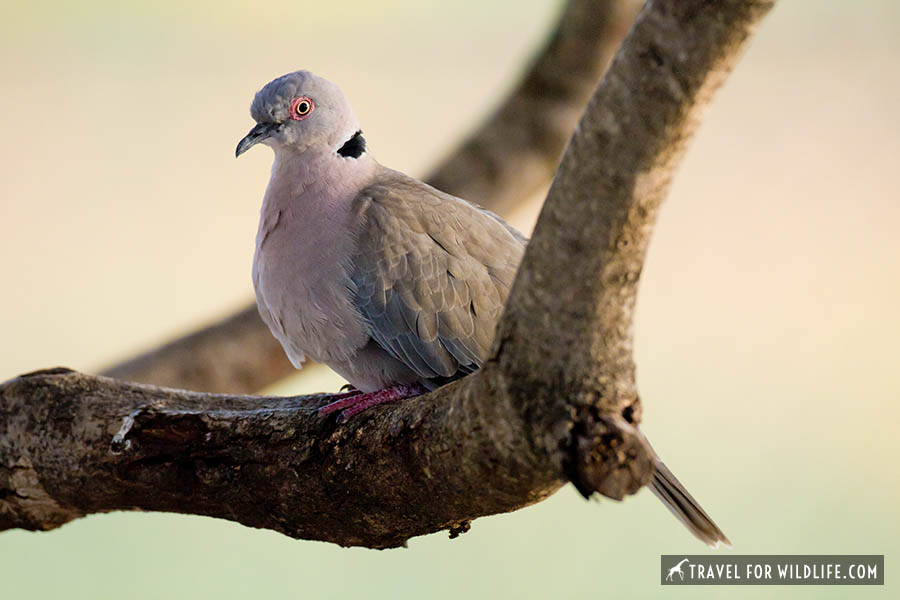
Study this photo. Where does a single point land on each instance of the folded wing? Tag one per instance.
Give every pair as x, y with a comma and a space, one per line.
431, 273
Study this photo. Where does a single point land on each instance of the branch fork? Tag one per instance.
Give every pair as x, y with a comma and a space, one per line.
555, 402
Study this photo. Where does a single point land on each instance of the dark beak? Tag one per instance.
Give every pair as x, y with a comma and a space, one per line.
256, 135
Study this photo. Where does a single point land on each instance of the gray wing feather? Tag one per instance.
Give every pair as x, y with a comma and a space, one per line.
431, 274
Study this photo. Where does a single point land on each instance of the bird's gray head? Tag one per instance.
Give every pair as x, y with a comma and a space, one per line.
299, 111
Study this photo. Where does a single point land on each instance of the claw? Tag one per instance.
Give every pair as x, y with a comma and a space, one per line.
342, 395
355, 402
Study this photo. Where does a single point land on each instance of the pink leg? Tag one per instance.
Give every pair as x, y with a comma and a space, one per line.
353, 403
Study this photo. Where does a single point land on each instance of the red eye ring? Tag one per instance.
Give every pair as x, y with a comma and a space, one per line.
301, 107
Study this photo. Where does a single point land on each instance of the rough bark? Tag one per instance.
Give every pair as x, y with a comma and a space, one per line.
506, 160
75, 444
555, 402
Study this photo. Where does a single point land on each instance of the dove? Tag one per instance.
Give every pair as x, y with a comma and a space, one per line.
395, 285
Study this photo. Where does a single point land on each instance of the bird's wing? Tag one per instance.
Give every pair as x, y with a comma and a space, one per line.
432, 274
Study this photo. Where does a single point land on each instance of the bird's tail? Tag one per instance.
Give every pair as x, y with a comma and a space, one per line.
678, 500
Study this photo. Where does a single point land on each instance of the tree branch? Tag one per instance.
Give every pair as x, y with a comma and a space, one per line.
506, 436
506, 160
75, 444
517, 149
237, 354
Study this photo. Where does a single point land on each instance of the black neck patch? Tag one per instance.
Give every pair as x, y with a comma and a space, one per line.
354, 147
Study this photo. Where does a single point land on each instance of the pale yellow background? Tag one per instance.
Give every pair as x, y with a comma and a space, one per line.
767, 331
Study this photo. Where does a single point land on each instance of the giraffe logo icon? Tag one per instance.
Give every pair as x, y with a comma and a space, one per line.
677, 569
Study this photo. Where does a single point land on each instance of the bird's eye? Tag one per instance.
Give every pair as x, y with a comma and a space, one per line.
301, 107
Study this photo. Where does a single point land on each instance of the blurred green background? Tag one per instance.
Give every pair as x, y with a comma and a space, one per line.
767, 327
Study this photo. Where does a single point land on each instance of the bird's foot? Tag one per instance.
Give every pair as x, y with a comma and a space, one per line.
354, 402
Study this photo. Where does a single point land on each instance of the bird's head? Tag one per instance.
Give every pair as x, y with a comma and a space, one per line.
299, 111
